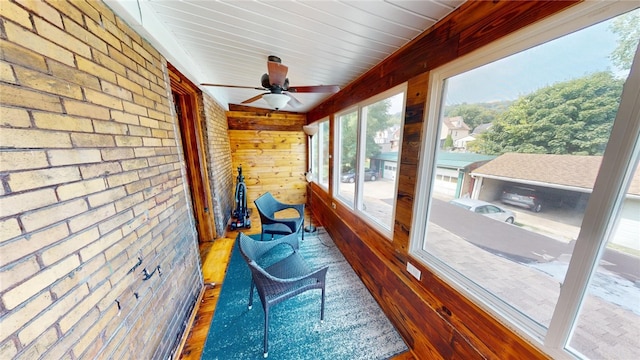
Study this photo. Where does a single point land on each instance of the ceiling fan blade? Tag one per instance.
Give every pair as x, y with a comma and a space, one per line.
293, 102
315, 89
255, 98
277, 72
234, 86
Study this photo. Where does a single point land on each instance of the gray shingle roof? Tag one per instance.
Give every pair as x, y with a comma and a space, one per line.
455, 123
566, 170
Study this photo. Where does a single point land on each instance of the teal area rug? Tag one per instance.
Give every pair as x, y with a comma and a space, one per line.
354, 325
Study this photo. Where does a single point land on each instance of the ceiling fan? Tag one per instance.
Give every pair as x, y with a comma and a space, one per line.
276, 83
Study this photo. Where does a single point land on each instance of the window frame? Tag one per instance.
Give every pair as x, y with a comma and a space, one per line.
606, 199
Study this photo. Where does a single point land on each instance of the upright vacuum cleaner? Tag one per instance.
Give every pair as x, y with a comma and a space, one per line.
240, 216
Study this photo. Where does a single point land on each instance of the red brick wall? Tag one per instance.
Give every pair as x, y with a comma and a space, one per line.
90, 180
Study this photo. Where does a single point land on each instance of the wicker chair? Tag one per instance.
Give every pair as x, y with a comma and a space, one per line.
268, 206
282, 279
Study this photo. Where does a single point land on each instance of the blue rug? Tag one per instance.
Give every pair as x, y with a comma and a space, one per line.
354, 325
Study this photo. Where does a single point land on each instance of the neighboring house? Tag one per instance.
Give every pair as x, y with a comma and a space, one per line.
566, 182
454, 126
388, 139
481, 129
461, 144
452, 170
386, 163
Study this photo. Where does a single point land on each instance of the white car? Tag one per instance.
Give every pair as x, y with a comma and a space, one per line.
486, 209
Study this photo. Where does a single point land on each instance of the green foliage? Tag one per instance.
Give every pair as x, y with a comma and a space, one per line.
348, 134
448, 142
477, 114
627, 27
377, 119
476, 146
572, 117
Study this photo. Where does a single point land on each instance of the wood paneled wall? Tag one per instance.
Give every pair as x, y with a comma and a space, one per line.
272, 149
435, 320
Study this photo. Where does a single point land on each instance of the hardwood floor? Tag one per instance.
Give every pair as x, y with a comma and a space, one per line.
215, 257
213, 268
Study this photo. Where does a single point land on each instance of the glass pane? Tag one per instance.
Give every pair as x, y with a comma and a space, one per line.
315, 154
382, 121
525, 134
323, 137
609, 323
346, 166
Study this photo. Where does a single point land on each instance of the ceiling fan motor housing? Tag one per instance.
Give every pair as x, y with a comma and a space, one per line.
275, 88
264, 80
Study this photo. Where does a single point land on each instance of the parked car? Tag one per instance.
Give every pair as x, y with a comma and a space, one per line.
486, 209
523, 197
350, 176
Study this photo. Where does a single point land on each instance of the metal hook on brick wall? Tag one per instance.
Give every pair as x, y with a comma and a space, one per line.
146, 275
135, 266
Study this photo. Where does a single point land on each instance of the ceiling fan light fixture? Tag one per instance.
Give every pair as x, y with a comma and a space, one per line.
276, 101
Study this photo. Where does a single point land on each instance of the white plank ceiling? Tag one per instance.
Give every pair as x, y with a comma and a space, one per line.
322, 42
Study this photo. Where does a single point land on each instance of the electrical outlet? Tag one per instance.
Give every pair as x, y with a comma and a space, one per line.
333, 205
413, 271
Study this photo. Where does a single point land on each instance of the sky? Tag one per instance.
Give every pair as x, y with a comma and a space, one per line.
572, 56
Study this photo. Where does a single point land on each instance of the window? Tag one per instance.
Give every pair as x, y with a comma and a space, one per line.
379, 186
540, 116
609, 319
347, 137
367, 155
323, 137
320, 156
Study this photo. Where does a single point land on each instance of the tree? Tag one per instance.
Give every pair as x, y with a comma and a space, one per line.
377, 119
627, 28
474, 114
572, 117
349, 140
448, 142
475, 146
